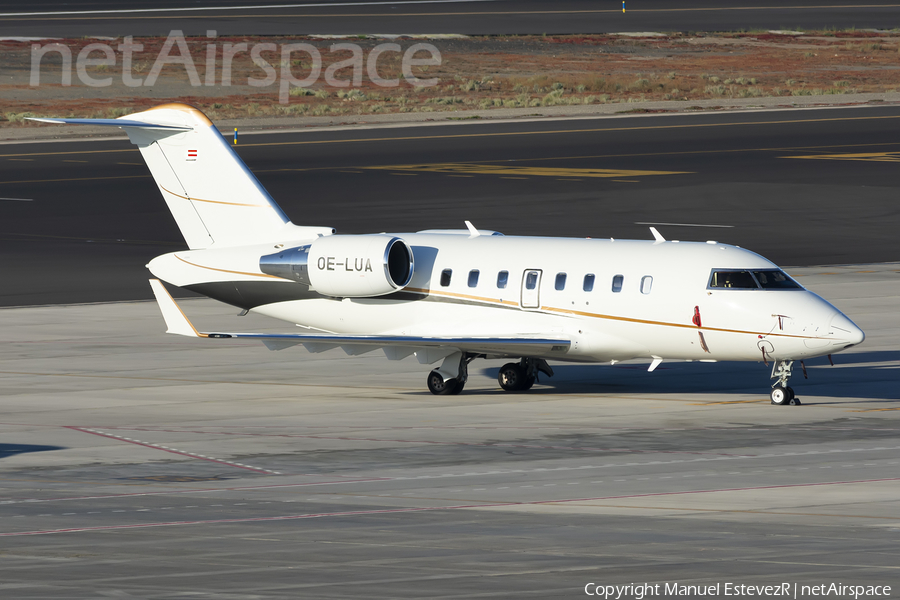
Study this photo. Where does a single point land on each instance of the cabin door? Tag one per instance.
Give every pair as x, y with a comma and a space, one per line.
531, 289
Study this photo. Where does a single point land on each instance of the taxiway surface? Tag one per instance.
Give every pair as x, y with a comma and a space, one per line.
104, 18
78, 220
136, 464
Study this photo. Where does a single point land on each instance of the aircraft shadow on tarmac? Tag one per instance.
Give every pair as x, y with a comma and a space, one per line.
7, 450
867, 375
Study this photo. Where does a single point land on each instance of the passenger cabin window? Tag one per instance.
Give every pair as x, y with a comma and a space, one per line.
502, 279
646, 284
589, 282
531, 280
445, 277
473, 277
560, 281
617, 283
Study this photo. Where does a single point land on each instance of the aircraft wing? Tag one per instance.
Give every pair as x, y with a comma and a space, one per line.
395, 346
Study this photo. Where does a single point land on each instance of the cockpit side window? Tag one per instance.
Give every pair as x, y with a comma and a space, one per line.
775, 279
733, 280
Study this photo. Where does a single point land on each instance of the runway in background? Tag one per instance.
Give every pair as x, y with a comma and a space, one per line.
237, 17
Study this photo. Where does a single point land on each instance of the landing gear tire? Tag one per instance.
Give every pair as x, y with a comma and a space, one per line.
438, 386
783, 395
528, 383
512, 378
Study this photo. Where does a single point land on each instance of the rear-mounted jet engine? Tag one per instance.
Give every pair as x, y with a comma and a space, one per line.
346, 266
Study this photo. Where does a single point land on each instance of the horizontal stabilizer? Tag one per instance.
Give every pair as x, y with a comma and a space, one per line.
111, 123
178, 323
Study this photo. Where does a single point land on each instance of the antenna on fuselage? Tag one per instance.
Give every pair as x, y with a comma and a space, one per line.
657, 236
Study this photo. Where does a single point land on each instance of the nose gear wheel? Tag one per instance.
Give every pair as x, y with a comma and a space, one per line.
782, 394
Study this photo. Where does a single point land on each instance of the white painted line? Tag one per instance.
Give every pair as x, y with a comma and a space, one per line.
684, 224
17, 199
215, 8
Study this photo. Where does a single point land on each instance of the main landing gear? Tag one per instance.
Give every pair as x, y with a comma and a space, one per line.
450, 378
452, 375
520, 376
781, 393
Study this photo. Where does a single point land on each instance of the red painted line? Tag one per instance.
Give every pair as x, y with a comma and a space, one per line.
419, 509
171, 451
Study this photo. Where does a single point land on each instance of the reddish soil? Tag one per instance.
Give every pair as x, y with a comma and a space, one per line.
479, 72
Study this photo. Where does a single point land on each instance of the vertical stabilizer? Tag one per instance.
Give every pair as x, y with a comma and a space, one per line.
215, 199
211, 193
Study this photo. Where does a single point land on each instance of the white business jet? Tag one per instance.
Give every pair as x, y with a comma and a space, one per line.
457, 295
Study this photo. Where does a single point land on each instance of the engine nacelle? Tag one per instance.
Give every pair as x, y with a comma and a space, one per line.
346, 266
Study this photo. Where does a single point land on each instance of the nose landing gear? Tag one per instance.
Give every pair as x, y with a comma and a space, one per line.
781, 393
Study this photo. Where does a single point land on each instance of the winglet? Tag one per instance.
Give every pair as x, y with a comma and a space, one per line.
472, 231
176, 322
657, 236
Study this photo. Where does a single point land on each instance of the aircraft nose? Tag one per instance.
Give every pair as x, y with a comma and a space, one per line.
845, 332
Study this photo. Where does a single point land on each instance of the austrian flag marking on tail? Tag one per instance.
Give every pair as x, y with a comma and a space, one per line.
192, 155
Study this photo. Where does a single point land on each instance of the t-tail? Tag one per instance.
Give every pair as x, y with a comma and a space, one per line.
215, 199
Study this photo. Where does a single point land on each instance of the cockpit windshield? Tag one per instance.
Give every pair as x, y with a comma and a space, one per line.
775, 279
769, 279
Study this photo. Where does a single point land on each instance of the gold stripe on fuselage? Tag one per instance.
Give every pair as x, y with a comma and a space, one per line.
227, 271
567, 311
